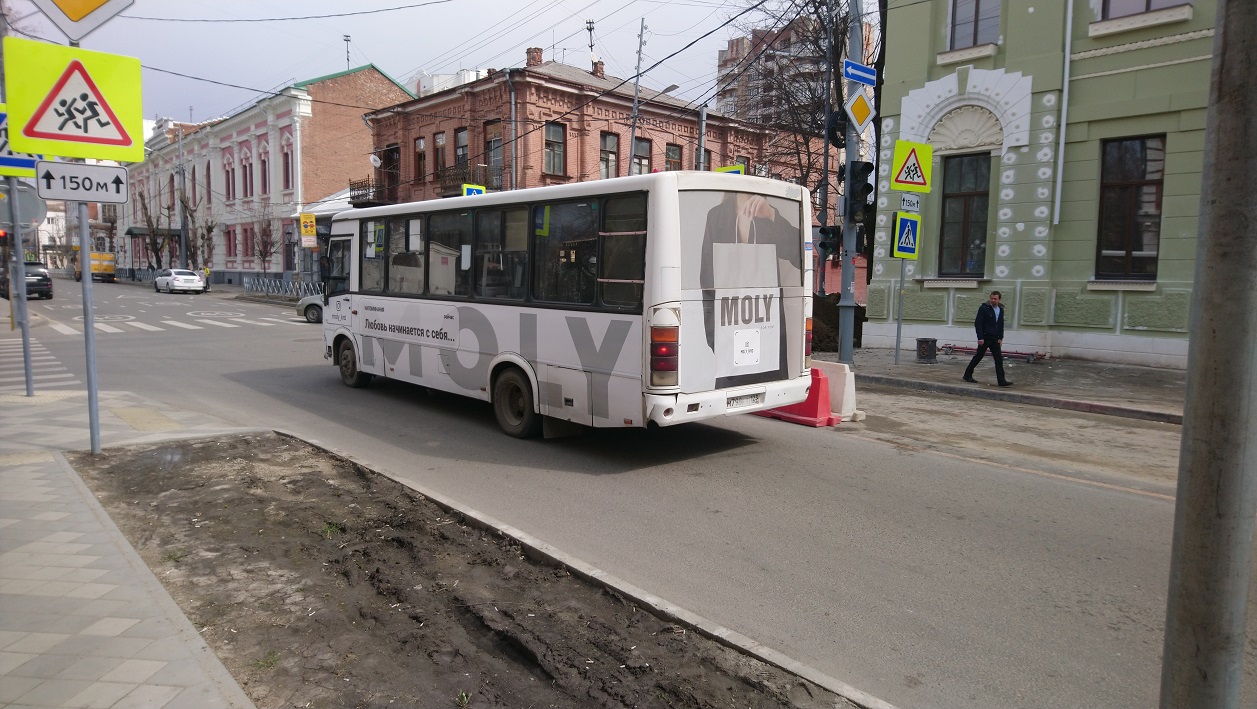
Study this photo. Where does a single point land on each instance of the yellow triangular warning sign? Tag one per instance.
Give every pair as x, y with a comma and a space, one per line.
910, 172
75, 111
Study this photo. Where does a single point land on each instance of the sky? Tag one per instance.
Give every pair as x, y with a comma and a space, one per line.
401, 37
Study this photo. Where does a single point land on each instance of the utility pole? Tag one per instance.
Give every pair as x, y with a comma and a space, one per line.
1211, 557
589, 26
637, 81
700, 160
829, 109
846, 298
347, 66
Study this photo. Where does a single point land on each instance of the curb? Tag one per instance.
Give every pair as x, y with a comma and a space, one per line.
201, 653
1018, 398
649, 602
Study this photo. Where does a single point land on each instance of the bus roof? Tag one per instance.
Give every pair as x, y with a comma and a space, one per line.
677, 179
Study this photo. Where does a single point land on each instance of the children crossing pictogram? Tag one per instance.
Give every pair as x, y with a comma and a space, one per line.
910, 169
910, 173
75, 110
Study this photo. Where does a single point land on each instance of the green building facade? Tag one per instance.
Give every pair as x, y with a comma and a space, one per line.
1090, 236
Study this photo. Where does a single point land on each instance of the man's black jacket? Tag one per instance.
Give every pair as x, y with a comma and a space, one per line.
988, 325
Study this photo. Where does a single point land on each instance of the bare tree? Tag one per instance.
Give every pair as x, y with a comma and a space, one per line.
781, 82
265, 237
155, 214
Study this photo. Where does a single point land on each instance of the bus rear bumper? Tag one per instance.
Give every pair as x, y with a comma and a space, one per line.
671, 409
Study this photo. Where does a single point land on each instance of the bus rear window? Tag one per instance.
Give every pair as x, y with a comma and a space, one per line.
739, 239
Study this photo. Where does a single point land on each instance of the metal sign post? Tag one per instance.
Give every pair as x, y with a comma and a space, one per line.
17, 285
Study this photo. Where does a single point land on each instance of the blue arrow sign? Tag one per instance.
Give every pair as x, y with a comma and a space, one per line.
866, 75
11, 163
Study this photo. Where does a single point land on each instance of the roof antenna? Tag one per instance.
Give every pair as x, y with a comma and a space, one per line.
589, 25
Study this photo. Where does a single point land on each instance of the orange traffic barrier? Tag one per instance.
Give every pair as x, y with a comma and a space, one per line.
814, 411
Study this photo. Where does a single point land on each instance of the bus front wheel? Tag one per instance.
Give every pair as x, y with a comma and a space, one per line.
348, 363
513, 405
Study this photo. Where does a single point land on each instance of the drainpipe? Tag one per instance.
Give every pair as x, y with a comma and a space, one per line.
514, 134
1060, 147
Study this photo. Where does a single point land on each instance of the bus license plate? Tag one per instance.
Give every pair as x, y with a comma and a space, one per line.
737, 402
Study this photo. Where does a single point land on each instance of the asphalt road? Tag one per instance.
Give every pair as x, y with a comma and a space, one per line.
945, 553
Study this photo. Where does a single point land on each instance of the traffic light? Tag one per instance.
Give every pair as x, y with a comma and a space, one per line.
836, 129
861, 189
830, 241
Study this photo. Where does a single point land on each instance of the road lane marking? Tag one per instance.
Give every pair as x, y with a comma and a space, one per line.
253, 322
146, 326
216, 322
286, 322
63, 329
184, 325
36, 377
107, 328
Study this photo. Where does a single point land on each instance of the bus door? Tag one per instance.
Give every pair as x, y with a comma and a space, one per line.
336, 282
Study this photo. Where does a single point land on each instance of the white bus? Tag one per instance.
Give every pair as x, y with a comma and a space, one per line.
653, 299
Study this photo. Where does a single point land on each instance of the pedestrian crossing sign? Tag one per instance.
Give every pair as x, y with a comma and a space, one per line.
73, 102
907, 231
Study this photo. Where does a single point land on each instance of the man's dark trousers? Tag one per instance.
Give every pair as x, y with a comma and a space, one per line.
993, 345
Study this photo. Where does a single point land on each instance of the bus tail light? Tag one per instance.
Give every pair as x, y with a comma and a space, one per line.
807, 343
664, 353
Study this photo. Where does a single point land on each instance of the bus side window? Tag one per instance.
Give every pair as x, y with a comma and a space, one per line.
405, 263
501, 253
373, 250
622, 272
449, 255
337, 267
565, 239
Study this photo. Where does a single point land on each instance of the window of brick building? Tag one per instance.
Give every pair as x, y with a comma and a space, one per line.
438, 152
421, 160
641, 157
264, 167
460, 147
209, 187
288, 167
974, 22
229, 242
493, 154
672, 157
1132, 171
966, 198
609, 155
555, 157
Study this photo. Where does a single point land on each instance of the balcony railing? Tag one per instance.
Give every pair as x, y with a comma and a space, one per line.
454, 177
368, 191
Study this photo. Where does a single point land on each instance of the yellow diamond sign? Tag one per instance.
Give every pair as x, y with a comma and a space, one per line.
860, 110
77, 18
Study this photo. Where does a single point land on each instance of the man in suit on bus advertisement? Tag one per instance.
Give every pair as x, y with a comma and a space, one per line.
750, 249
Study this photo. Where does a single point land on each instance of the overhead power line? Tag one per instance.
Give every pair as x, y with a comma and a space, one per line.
286, 19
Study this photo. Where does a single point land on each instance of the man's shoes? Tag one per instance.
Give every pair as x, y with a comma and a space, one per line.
1005, 384
971, 380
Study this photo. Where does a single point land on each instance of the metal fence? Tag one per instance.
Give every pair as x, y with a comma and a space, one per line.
280, 287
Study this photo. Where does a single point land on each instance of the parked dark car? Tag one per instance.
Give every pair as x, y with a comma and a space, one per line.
38, 280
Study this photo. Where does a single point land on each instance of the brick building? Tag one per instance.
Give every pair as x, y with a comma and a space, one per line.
543, 124
246, 177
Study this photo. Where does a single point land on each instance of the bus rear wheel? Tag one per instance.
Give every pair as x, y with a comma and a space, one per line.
513, 405
348, 363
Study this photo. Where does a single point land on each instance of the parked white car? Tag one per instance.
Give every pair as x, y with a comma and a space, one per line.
311, 308
173, 279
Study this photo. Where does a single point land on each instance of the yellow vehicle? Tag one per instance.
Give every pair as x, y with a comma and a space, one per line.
102, 266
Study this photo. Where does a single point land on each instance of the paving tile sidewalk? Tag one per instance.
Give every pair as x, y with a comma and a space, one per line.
83, 622
1123, 390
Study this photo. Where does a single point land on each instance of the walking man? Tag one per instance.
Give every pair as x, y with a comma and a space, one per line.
990, 327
